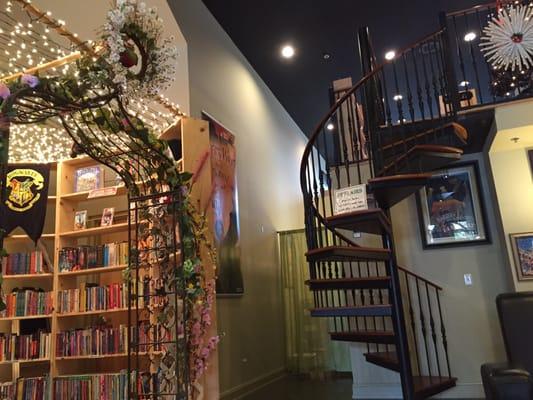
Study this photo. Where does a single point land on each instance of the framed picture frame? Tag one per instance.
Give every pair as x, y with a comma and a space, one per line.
80, 220
451, 211
530, 157
522, 245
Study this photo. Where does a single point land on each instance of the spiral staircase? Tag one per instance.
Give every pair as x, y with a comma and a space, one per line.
389, 131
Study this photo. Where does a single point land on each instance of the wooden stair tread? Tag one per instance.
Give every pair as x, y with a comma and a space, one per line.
371, 282
426, 386
377, 310
380, 337
389, 190
423, 158
347, 253
373, 220
385, 359
456, 129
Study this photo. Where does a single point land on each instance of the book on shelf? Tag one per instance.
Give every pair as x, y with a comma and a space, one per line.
87, 257
94, 341
24, 264
27, 302
80, 220
107, 216
7, 391
35, 346
88, 178
92, 387
32, 388
91, 297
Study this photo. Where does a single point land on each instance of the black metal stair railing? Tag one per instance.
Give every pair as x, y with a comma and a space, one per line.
475, 80
348, 147
426, 328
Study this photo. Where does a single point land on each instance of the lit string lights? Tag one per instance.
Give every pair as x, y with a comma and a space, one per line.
29, 38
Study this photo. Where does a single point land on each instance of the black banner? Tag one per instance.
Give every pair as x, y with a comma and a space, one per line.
25, 199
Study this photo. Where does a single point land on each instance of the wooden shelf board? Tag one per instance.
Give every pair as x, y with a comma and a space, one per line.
27, 276
26, 237
96, 312
91, 271
71, 358
26, 362
82, 196
95, 231
25, 317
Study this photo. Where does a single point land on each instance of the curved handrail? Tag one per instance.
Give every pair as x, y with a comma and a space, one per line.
320, 126
310, 207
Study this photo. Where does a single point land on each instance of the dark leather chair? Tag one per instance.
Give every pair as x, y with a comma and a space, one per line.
512, 380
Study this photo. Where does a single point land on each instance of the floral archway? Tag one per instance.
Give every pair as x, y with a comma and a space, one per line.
91, 104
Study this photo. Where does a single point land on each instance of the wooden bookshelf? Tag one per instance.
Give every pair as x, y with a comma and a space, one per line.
62, 204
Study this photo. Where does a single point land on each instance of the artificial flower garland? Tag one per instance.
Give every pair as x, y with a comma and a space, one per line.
132, 28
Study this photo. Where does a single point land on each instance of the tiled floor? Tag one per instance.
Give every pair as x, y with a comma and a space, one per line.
299, 389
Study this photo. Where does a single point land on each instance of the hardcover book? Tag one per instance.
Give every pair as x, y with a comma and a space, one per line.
88, 178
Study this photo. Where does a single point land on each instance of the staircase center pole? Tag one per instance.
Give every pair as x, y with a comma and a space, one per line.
398, 320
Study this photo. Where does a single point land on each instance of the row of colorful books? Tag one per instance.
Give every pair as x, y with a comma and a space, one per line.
92, 387
106, 386
91, 297
94, 341
24, 347
27, 302
24, 263
86, 257
25, 389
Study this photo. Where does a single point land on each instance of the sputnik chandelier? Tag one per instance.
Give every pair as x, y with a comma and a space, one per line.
28, 40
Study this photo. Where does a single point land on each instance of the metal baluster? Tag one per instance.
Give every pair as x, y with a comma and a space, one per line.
444, 339
434, 78
474, 62
445, 83
419, 91
372, 302
423, 326
413, 323
433, 331
460, 54
410, 104
427, 84
399, 102
357, 145
489, 71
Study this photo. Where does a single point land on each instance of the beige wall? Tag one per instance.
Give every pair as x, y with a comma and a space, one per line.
513, 177
469, 312
269, 146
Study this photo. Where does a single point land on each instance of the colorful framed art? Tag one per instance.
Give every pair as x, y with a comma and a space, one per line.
451, 210
522, 245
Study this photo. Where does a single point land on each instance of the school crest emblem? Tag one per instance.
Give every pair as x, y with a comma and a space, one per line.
24, 187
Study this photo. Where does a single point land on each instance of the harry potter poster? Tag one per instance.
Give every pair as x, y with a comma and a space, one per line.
225, 208
24, 204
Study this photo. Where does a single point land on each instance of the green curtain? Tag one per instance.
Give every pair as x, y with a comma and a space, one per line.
309, 349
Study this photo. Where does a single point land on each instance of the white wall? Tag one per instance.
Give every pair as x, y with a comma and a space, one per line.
269, 147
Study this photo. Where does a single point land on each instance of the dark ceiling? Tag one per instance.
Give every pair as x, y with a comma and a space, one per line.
313, 27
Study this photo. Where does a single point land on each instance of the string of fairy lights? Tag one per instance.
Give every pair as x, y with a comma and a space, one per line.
27, 41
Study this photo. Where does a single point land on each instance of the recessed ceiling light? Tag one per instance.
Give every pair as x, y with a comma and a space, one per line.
389, 55
287, 51
470, 37
398, 97
464, 83
330, 126
326, 56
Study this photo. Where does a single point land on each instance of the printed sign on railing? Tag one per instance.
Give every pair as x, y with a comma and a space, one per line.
350, 199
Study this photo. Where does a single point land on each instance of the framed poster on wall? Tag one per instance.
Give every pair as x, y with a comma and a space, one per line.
450, 208
522, 245
225, 208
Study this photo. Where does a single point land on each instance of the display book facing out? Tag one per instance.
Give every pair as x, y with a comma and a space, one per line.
69, 286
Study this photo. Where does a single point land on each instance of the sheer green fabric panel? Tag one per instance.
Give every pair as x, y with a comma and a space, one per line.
309, 349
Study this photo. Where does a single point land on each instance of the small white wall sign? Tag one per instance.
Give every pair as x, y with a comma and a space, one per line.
350, 199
